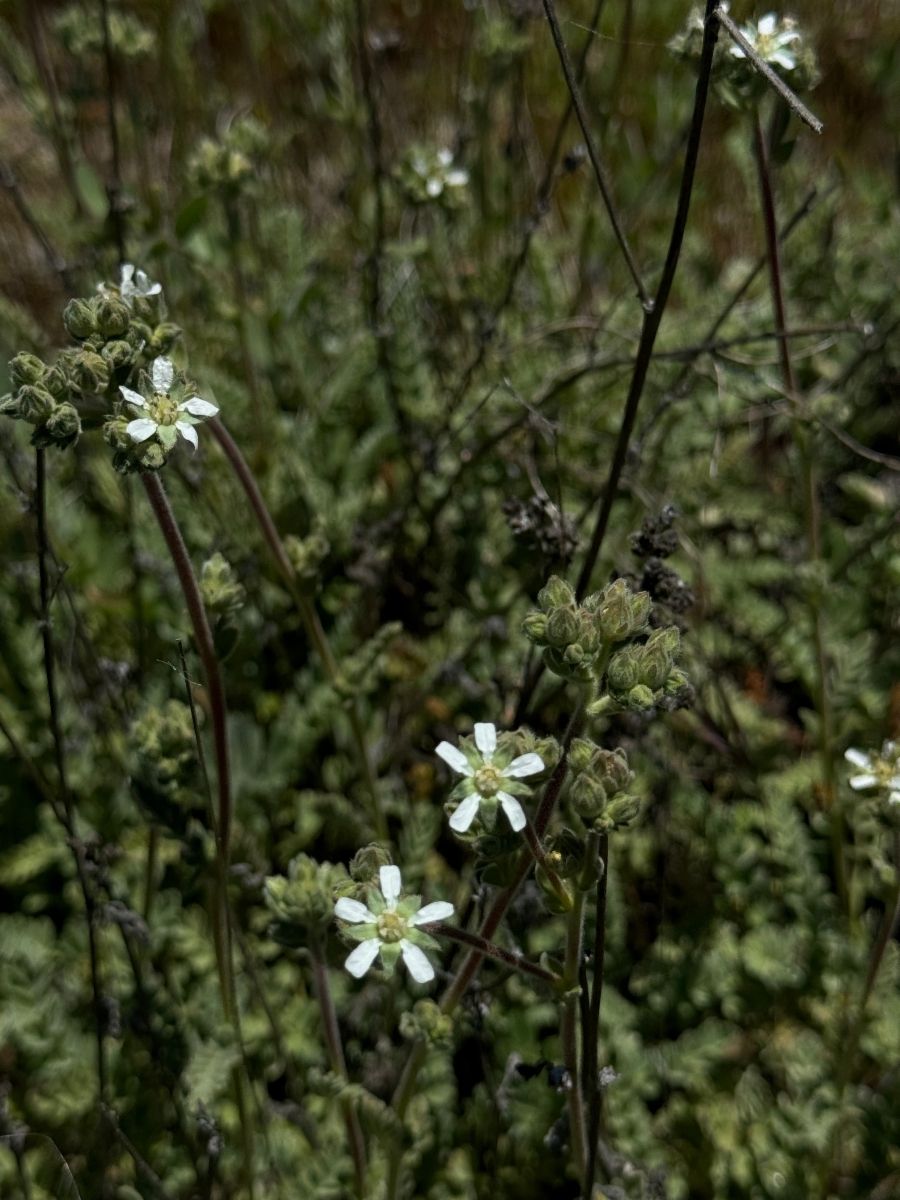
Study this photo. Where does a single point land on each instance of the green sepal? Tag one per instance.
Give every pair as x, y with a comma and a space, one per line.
360, 933
375, 901
167, 435
390, 952
408, 906
419, 938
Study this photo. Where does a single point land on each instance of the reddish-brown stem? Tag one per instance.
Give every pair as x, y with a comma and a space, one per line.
203, 635
489, 950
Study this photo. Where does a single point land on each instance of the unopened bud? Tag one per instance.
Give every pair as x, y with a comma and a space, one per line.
580, 753
555, 594
164, 337
64, 424
115, 433
117, 354
80, 318
368, 861
611, 768
112, 316
638, 698
574, 654
35, 404
657, 657
56, 383
588, 796
26, 369
621, 811
10, 407
624, 669
562, 627
535, 627
90, 372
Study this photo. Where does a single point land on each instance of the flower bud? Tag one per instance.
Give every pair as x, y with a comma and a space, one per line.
368, 861
622, 614
151, 457
637, 699
556, 662
90, 372
35, 404
426, 1023
580, 753
588, 796
624, 669
10, 407
164, 337
562, 627
117, 354
303, 903
112, 316
535, 627
555, 594
220, 589
611, 768
621, 811
26, 369
574, 654
56, 383
114, 431
64, 424
657, 657
80, 319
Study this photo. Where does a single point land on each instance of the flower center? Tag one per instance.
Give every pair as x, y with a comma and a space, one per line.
488, 780
164, 410
391, 927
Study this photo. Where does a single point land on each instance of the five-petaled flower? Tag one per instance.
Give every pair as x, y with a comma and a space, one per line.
388, 925
876, 770
488, 774
164, 414
136, 283
770, 38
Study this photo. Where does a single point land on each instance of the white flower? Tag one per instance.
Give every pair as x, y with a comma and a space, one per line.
876, 770
388, 926
770, 38
163, 414
487, 775
136, 283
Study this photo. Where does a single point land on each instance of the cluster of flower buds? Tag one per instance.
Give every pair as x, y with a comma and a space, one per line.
575, 638
43, 399
226, 165
306, 557
426, 1023
302, 903
643, 676
601, 779
223, 594
163, 765
428, 175
777, 40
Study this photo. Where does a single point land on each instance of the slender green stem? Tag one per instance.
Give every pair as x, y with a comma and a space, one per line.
305, 606
339, 1066
592, 1029
539, 855
569, 1031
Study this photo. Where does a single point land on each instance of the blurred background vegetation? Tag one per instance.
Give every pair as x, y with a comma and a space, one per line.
428, 382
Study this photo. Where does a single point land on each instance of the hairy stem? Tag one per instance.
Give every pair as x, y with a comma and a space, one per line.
203, 635
489, 950
339, 1066
569, 1031
114, 187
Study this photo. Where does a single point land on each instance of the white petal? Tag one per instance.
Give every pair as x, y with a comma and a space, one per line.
465, 814
863, 781
360, 959
454, 758
162, 372
486, 739
457, 178
525, 764
390, 885
513, 810
127, 273
863, 761
894, 798
198, 407
440, 910
353, 911
133, 397
767, 24
894, 783
141, 429
188, 432
783, 58
418, 965
434, 186
445, 157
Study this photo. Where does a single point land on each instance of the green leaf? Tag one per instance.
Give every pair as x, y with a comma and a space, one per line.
191, 216
91, 190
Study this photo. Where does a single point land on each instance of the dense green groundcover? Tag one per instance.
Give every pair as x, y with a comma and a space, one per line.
387, 264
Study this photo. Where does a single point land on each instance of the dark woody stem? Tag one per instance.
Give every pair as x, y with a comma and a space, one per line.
339, 1066
489, 950
203, 634
307, 609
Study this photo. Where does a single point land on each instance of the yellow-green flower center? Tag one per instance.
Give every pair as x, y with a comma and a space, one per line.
391, 927
488, 780
164, 410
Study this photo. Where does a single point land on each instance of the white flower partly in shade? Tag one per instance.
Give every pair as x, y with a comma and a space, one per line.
136, 283
165, 414
876, 770
387, 925
771, 39
488, 774
439, 173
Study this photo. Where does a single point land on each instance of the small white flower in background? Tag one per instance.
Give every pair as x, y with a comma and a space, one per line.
163, 414
136, 283
488, 775
439, 173
387, 925
876, 770
770, 38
